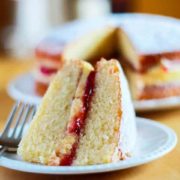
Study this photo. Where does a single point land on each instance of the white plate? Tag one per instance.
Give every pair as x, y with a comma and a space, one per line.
154, 141
22, 88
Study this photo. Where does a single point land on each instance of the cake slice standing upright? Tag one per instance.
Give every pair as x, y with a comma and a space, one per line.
110, 131
99, 126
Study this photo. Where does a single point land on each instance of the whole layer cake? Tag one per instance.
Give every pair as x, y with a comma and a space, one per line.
86, 117
148, 47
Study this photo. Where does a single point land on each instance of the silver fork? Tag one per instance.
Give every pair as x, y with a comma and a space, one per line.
20, 114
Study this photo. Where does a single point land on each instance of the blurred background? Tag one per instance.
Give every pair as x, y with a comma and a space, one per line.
23, 23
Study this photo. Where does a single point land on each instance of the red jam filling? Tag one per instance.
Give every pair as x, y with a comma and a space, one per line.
67, 159
78, 122
48, 71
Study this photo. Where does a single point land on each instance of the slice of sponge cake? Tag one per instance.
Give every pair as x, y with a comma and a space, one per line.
99, 126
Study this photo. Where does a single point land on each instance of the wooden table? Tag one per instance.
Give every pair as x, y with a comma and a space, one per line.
166, 168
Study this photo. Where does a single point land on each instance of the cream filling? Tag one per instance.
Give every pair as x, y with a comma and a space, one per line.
157, 75
39, 76
171, 65
48, 63
160, 75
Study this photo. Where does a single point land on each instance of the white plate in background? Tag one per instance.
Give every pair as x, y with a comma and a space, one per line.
154, 141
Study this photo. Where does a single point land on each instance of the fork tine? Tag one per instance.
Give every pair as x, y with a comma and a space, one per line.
28, 110
34, 110
10, 119
18, 119
20, 114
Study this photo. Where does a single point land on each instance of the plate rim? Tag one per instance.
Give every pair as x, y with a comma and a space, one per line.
41, 169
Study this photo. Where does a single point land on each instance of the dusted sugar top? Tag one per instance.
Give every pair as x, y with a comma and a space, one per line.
152, 34
149, 34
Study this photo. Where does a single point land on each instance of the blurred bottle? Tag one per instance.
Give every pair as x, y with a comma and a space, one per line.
92, 8
33, 20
